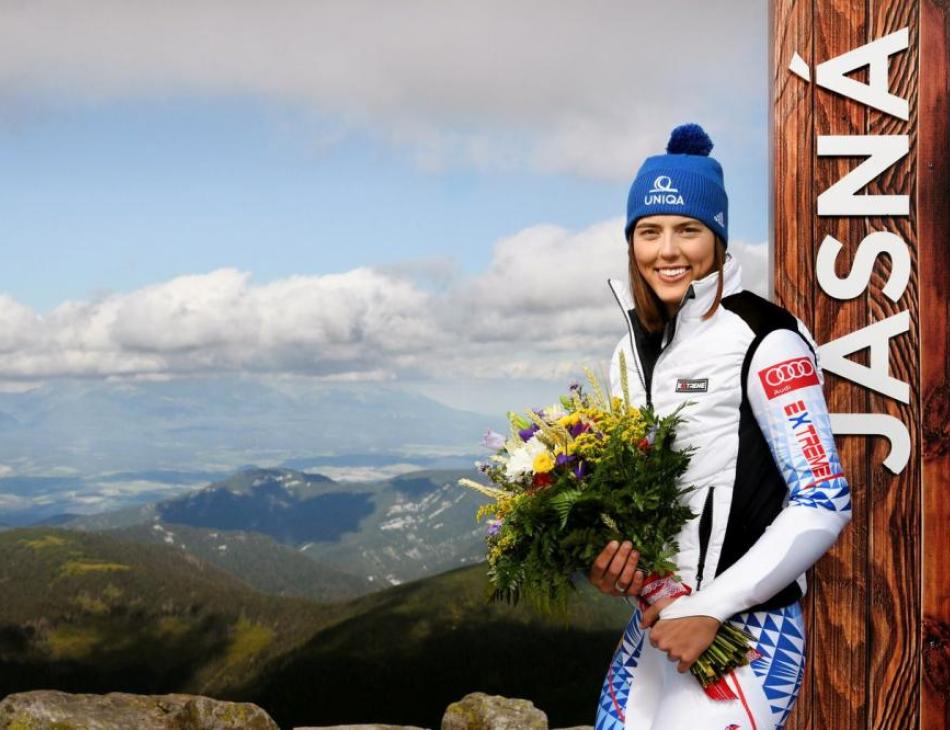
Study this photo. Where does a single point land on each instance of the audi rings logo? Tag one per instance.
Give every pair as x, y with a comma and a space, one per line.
787, 376
789, 371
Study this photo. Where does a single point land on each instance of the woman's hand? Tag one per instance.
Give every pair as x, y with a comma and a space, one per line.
682, 639
615, 570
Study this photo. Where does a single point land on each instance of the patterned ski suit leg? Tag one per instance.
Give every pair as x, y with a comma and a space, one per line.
643, 690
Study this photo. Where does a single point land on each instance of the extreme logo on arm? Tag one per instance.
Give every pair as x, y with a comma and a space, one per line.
810, 442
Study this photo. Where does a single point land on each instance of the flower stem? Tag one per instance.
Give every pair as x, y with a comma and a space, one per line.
730, 649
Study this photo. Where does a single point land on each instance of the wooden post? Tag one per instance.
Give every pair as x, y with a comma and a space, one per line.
933, 190
878, 606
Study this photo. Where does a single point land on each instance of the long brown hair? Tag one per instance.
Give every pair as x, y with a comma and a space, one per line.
649, 308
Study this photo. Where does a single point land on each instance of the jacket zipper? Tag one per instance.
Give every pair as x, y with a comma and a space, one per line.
669, 332
668, 336
633, 344
705, 530
705, 520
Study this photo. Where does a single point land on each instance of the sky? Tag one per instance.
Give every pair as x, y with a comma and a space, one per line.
427, 193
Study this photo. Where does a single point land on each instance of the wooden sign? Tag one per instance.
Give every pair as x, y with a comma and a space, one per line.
861, 253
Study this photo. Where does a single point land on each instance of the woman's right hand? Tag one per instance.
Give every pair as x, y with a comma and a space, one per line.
615, 570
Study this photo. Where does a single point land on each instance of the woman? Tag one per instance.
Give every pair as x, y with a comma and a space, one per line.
770, 497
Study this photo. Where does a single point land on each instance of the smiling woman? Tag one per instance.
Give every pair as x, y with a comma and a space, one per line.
667, 253
765, 484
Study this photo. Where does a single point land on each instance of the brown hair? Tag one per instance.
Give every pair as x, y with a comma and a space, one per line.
650, 310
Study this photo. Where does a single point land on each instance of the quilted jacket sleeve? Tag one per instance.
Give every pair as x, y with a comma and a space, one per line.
785, 394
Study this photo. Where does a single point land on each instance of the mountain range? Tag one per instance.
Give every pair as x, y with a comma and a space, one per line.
86, 612
91, 446
256, 559
376, 533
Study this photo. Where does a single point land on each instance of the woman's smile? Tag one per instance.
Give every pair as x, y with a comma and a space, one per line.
671, 252
672, 273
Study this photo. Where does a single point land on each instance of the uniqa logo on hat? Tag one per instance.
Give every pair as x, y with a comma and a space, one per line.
663, 192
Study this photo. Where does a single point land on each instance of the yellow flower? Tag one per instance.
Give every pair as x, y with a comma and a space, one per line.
504, 542
569, 420
585, 443
543, 463
485, 510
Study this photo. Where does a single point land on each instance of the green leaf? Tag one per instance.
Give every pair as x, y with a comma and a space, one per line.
564, 502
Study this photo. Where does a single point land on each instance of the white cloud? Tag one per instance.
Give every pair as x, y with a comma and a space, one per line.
14, 502
17, 324
540, 310
571, 86
135, 487
363, 473
754, 260
220, 322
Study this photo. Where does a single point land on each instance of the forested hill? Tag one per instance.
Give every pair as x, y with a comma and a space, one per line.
91, 612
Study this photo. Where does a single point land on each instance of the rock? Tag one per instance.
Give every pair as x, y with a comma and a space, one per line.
361, 727
51, 710
479, 711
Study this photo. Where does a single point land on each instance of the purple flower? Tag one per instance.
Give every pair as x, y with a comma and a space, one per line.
578, 428
562, 459
527, 433
580, 471
493, 527
493, 440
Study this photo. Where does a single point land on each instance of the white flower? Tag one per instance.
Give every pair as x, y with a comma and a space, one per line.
553, 412
522, 460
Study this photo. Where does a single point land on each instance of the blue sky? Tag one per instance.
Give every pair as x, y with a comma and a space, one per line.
114, 196
426, 193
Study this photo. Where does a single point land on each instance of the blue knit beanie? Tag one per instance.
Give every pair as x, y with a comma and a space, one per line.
684, 181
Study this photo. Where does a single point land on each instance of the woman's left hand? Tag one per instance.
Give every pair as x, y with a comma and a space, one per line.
682, 639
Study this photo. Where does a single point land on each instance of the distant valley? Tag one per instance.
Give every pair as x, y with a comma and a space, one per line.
343, 583
82, 447
370, 534
95, 612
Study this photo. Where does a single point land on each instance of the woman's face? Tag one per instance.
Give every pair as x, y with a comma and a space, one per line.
671, 251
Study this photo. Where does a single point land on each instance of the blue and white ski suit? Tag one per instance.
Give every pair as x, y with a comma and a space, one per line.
769, 494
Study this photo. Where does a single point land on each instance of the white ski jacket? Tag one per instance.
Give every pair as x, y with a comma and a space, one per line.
770, 496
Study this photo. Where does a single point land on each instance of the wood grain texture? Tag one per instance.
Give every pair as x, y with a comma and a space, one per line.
894, 500
933, 184
841, 632
792, 142
864, 598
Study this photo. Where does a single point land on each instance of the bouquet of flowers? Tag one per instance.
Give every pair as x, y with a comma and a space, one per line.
573, 476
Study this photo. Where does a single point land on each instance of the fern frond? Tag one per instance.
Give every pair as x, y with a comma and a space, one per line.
564, 502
